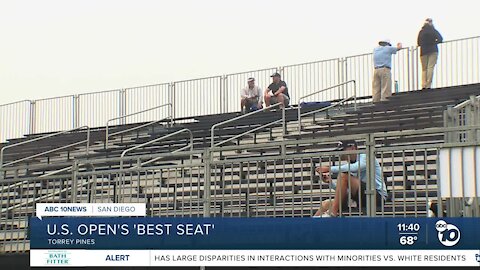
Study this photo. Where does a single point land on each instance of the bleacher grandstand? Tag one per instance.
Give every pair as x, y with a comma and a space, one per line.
232, 165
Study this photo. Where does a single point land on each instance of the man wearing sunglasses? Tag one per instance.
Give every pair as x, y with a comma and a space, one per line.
351, 180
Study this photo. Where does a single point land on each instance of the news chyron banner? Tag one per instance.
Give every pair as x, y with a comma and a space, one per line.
120, 235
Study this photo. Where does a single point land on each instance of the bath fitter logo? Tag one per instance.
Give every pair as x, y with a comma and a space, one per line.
58, 257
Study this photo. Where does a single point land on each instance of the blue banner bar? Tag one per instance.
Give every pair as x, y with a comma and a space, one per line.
254, 233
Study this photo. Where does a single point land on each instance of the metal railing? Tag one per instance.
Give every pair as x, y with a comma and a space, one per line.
344, 97
467, 113
458, 63
281, 184
212, 129
123, 117
15, 120
87, 141
190, 145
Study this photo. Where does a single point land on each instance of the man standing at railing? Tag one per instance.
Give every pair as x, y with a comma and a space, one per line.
277, 92
428, 38
251, 97
382, 76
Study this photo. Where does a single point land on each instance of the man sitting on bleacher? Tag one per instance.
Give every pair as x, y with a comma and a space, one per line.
277, 92
351, 178
251, 97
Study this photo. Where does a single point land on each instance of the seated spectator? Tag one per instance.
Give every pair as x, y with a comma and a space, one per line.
277, 92
351, 180
251, 97
327, 203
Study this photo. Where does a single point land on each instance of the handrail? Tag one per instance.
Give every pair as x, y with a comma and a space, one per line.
328, 107
49, 151
212, 130
190, 145
129, 130
247, 132
135, 113
59, 171
20, 101
323, 90
158, 158
147, 143
156, 140
465, 103
46, 196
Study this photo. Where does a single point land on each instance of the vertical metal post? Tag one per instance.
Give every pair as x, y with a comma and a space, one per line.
299, 115
207, 156
33, 113
76, 111
355, 95
223, 94
415, 71
74, 181
340, 76
171, 90
446, 123
470, 114
439, 188
123, 105
370, 191
408, 70
280, 70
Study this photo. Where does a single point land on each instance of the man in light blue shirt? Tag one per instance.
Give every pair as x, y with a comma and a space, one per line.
352, 177
382, 76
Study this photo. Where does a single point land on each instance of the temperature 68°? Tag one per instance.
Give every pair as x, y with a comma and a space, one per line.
408, 240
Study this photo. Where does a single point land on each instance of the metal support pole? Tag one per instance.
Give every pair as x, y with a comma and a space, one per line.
470, 114
207, 157
123, 105
171, 90
76, 111
223, 94
415, 71
370, 191
33, 113
446, 123
74, 181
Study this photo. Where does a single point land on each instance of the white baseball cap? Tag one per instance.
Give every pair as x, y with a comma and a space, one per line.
385, 40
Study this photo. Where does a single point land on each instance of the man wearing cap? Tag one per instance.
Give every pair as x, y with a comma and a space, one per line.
277, 92
382, 76
428, 38
251, 97
352, 178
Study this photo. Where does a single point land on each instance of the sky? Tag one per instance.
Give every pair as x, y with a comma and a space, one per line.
55, 48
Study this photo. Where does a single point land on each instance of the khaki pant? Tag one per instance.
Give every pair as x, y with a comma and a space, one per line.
428, 64
382, 84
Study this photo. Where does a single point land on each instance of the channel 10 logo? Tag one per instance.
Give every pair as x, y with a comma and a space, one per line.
448, 234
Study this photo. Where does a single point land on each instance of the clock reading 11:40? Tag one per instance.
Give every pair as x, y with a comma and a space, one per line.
411, 227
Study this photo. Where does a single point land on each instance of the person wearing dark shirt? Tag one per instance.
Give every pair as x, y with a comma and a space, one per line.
277, 92
428, 38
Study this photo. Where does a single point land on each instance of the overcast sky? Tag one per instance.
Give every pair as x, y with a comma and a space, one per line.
59, 47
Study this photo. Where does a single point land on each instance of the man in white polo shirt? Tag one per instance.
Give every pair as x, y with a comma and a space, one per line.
251, 97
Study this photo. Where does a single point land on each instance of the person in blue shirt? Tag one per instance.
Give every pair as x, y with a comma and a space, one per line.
352, 177
382, 76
